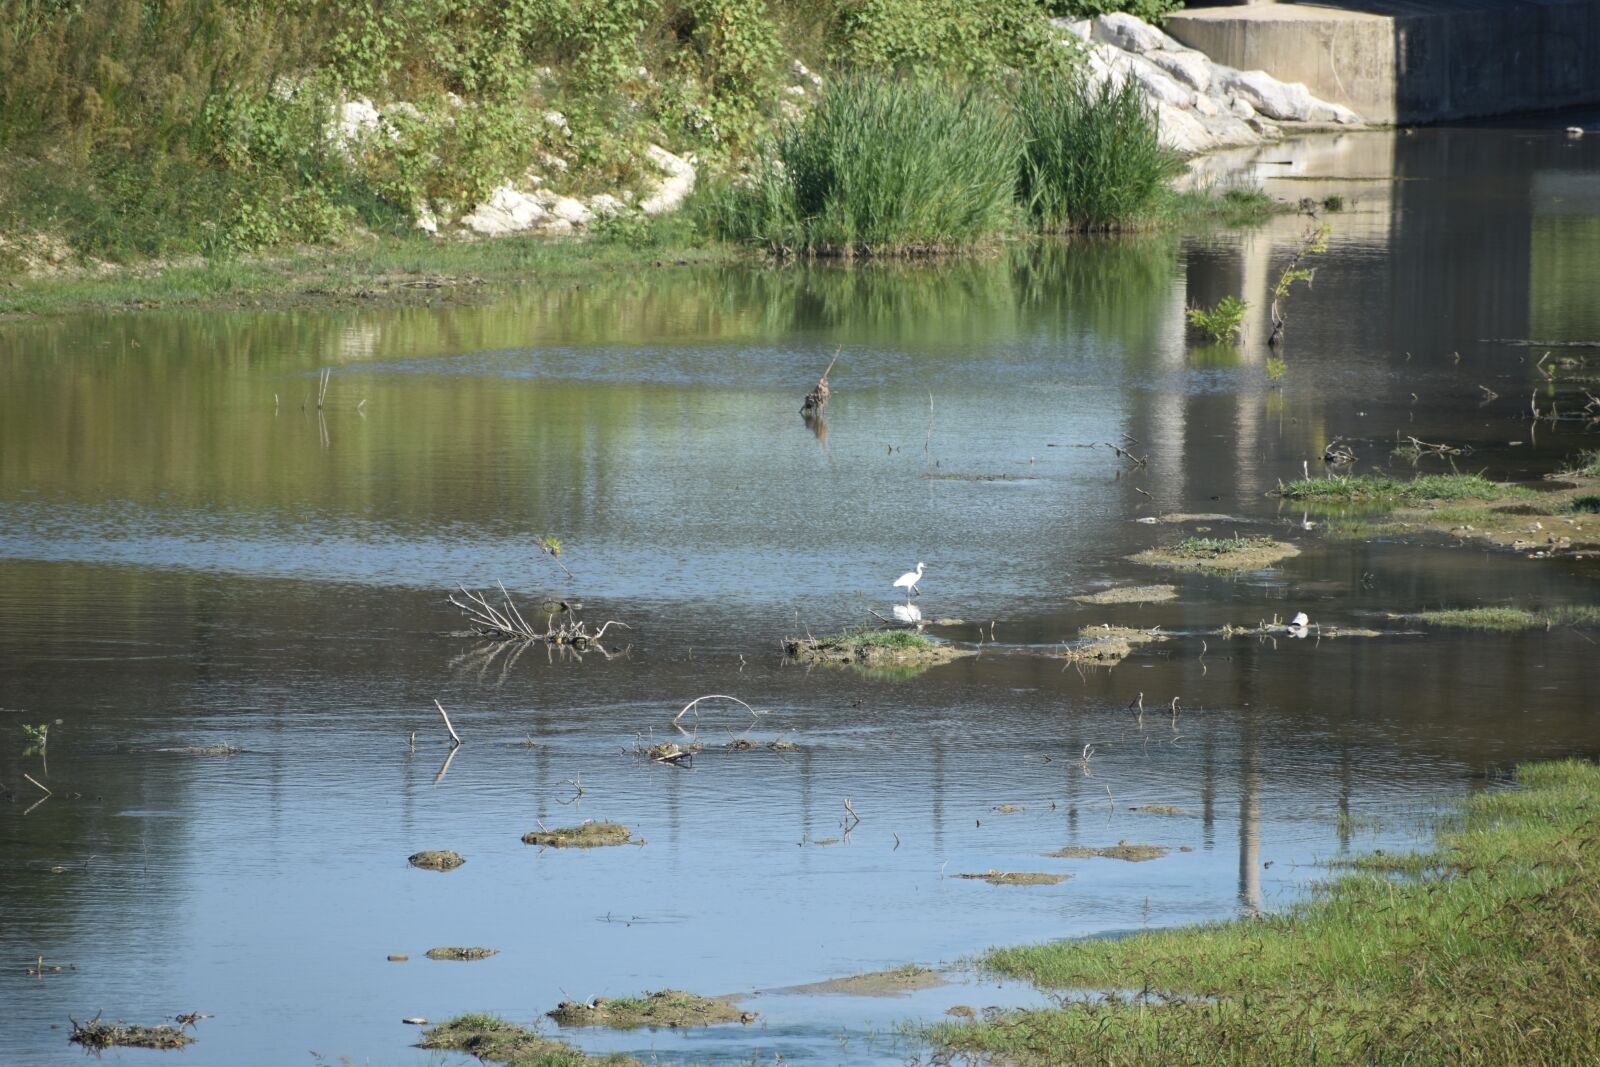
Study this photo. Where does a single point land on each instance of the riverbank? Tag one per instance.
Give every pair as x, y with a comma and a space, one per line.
419, 270
1484, 951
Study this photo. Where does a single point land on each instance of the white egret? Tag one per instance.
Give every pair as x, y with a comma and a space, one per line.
908, 581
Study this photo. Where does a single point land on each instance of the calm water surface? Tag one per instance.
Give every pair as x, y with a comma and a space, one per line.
191, 555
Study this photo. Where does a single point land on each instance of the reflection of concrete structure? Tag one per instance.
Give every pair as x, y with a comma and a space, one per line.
1397, 61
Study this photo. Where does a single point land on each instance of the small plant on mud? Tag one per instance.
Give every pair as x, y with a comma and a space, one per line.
1221, 323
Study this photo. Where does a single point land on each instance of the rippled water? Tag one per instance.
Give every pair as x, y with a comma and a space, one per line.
190, 555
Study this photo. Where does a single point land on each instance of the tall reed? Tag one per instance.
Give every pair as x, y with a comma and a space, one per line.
1091, 157
882, 167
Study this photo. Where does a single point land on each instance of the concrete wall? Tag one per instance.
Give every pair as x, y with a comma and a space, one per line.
1406, 61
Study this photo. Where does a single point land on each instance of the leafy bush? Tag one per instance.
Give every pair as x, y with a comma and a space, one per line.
1091, 158
1151, 11
927, 36
881, 166
1222, 322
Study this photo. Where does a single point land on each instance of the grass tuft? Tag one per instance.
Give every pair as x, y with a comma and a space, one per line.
1377, 487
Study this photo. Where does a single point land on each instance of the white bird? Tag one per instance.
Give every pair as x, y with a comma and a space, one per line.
908, 581
1301, 620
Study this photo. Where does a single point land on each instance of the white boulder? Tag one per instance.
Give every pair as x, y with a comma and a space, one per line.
1285, 101
1157, 85
1131, 35
604, 205
674, 186
1188, 67
506, 211
564, 208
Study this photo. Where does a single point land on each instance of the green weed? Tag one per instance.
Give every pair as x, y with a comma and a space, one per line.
1376, 487
1222, 322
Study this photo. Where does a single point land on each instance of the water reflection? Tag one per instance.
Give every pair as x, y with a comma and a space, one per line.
192, 553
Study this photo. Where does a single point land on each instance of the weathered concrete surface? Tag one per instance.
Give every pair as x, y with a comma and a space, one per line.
1403, 61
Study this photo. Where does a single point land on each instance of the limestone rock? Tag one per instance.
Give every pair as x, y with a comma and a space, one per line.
604, 205
1157, 85
564, 208
1187, 67
675, 185
1285, 101
1082, 29
1131, 35
506, 211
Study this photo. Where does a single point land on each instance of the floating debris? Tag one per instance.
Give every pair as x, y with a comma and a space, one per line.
457, 953
437, 860
1157, 809
98, 1034
585, 835
1120, 851
1017, 877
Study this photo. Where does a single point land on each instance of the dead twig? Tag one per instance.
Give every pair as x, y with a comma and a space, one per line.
454, 737
713, 696
817, 399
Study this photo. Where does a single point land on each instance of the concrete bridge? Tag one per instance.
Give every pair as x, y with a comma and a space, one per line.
1412, 61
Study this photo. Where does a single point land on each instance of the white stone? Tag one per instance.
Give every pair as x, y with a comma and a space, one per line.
1131, 34
1107, 64
1241, 107
604, 205
506, 211
427, 221
1181, 131
564, 208
1079, 28
1287, 101
802, 75
1190, 68
1205, 106
795, 90
1157, 85
556, 118
355, 119
675, 185
403, 107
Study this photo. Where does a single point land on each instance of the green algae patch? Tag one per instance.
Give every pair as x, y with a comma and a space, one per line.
584, 835
873, 648
1492, 956
1016, 877
451, 952
1106, 646
436, 860
491, 1038
667, 1008
1218, 554
1511, 619
1369, 488
1119, 851
1130, 594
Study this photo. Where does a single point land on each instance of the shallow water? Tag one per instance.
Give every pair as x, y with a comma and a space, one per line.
191, 555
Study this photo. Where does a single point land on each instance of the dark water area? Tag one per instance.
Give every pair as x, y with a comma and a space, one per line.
192, 555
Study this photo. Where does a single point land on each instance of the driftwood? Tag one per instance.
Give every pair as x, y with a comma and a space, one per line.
504, 622
817, 399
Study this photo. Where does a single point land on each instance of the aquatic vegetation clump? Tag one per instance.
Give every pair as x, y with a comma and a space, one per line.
1092, 158
666, 1008
1339, 488
1504, 618
1218, 553
585, 835
1493, 959
489, 1037
1222, 322
98, 1034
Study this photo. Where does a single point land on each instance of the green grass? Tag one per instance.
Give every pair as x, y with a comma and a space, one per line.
1587, 464
1587, 505
867, 638
1377, 487
881, 166
1495, 960
1233, 207
1208, 547
311, 274
1091, 158
488, 1037
1512, 618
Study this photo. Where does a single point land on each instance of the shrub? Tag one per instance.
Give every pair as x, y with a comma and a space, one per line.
922, 37
1151, 11
1091, 157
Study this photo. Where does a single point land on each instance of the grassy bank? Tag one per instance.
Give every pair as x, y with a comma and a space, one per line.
1492, 959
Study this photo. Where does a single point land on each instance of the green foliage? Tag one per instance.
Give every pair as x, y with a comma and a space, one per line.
881, 166
1494, 960
1587, 465
1222, 322
924, 37
864, 637
1151, 11
1091, 158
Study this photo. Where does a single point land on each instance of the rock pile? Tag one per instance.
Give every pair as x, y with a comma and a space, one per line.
1201, 105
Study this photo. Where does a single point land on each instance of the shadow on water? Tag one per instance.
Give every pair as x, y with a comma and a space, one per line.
191, 558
